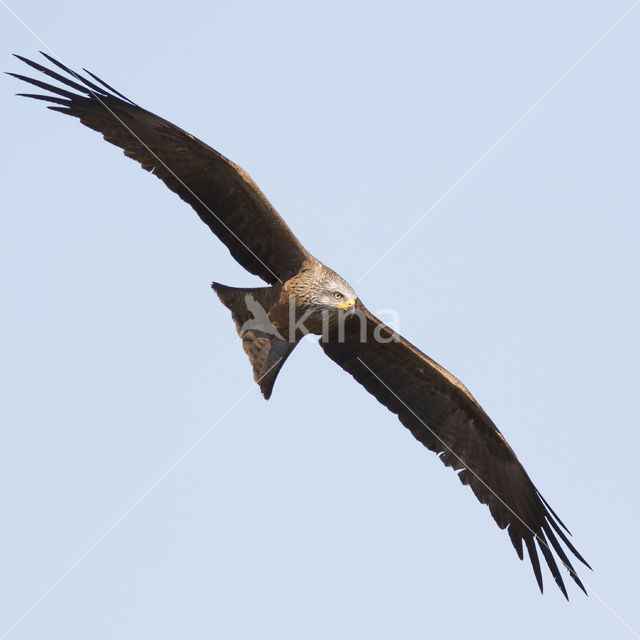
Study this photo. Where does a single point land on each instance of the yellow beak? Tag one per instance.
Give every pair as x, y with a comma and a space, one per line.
346, 305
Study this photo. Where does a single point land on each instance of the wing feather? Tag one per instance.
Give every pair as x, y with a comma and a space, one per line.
441, 413
222, 193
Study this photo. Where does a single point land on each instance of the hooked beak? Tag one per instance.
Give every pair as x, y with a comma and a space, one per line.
349, 305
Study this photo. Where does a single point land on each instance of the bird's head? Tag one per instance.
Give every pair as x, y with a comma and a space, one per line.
335, 293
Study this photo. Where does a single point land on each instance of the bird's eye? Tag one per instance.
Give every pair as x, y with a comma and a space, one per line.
337, 295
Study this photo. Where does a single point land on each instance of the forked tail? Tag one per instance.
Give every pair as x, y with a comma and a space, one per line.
266, 348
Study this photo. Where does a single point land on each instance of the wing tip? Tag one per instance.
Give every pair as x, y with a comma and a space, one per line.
541, 537
71, 78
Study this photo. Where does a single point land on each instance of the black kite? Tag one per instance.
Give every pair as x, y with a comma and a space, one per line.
306, 296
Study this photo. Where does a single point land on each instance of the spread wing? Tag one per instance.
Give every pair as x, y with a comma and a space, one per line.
223, 195
442, 414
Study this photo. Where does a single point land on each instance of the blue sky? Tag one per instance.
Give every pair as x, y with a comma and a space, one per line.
317, 515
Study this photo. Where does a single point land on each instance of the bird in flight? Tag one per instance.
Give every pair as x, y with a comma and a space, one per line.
305, 296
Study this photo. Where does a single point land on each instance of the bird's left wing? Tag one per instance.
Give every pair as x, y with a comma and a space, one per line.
441, 413
222, 193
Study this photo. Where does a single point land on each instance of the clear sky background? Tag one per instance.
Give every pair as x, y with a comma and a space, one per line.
317, 515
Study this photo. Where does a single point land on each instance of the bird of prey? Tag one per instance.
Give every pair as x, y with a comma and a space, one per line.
304, 296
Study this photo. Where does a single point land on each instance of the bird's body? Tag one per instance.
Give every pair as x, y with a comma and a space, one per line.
272, 320
304, 296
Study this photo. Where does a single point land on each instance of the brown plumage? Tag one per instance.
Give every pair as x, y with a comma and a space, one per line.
306, 296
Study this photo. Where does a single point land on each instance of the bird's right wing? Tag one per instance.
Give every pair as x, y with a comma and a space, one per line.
222, 193
442, 414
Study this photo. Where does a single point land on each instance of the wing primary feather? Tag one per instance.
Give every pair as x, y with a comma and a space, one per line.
44, 85
38, 96
65, 110
516, 541
535, 561
107, 86
58, 64
551, 562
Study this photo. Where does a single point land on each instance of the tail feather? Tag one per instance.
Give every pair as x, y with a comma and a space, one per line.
266, 348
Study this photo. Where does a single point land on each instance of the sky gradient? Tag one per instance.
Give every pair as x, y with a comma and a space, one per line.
316, 514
